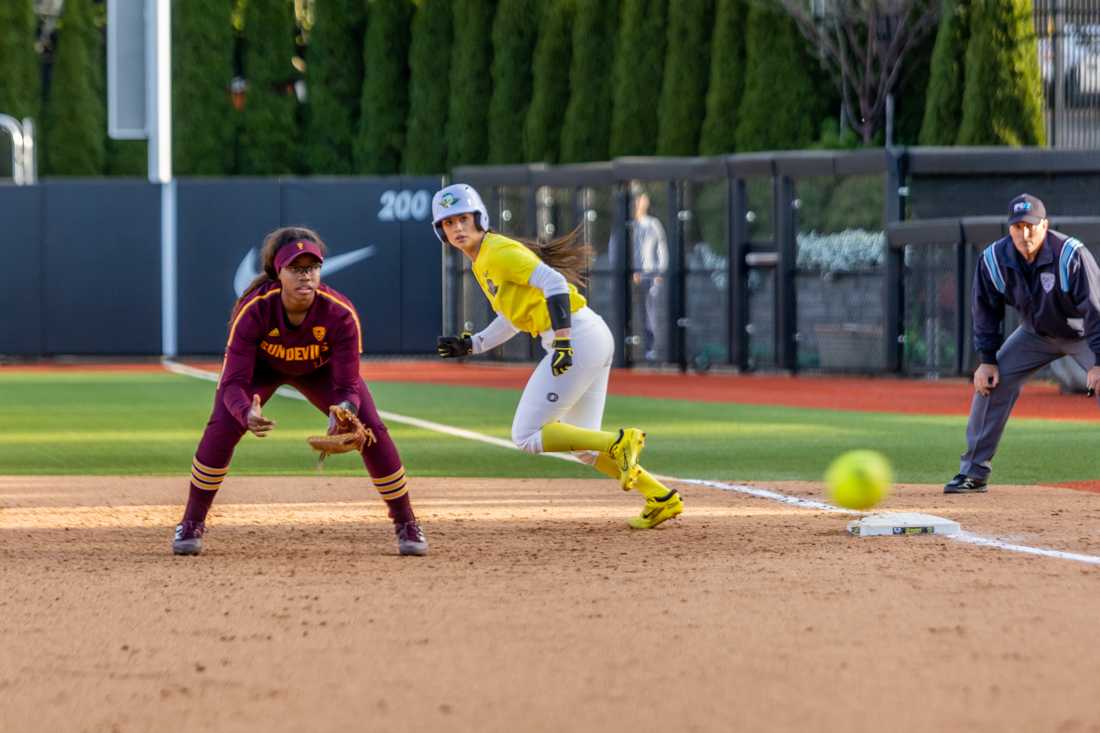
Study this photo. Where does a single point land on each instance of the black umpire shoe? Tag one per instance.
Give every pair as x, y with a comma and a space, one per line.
963, 484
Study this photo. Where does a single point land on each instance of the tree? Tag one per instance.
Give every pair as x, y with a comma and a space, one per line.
943, 102
514, 37
912, 91
126, 158
1003, 92
684, 89
20, 96
865, 43
727, 79
75, 114
779, 108
425, 141
334, 70
19, 92
385, 100
586, 131
639, 69
471, 83
269, 129
550, 81
202, 68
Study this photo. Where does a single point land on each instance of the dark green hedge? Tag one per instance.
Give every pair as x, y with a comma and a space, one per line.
73, 140
19, 91
334, 71
727, 78
429, 88
943, 102
203, 118
586, 131
385, 99
550, 81
270, 136
780, 107
471, 83
1002, 94
639, 70
687, 65
514, 37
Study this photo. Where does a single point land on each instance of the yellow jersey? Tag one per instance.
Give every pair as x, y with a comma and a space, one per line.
502, 268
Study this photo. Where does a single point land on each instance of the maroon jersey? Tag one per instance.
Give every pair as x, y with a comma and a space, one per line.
259, 331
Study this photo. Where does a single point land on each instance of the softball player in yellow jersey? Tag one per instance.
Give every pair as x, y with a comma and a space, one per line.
533, 287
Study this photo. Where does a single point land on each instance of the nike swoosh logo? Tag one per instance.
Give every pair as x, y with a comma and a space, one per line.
248, 269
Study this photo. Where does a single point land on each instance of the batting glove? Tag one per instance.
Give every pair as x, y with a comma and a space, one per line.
449, 347
562, 358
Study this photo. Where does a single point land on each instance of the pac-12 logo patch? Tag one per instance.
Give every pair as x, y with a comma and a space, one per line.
491, 285
551, 396
319, 333
447, 200
1047, 279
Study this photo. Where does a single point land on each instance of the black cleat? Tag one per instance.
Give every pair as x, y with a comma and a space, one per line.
963, 484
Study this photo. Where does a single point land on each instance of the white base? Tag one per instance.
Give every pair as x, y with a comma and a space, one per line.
901, 523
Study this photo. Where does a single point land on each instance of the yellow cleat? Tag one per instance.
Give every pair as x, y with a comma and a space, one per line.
626, 451
658, 510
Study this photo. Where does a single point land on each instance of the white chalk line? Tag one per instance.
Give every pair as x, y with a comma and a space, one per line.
965, 537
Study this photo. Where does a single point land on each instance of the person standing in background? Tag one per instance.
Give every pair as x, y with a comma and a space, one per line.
650, 252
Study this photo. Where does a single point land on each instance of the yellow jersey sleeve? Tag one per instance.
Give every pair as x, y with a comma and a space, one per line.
503, 268
510, 261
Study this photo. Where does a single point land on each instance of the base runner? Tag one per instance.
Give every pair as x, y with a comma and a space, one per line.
533, 287
288, 328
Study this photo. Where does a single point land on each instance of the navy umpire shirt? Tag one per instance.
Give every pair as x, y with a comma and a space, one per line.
1059, 298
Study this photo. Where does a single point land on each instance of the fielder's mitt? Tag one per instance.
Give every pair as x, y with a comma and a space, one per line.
345, 434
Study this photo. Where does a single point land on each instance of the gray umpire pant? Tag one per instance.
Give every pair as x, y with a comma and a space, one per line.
1022, 354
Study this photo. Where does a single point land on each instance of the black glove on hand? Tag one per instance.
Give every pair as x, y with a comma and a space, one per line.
563, 357
448, 347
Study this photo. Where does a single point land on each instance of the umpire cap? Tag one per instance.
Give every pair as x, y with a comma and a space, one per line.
1026, 207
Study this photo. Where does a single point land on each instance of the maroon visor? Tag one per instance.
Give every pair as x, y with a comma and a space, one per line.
299, 247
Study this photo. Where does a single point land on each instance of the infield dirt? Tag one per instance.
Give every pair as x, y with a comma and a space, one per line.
537, 610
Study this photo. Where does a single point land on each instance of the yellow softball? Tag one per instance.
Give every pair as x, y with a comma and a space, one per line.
859, 479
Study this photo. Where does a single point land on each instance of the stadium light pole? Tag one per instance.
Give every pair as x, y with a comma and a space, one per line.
139, 107
158, 49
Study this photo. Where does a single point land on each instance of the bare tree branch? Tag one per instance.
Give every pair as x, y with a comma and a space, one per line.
864, 45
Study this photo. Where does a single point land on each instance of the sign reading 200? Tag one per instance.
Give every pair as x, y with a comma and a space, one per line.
404, 205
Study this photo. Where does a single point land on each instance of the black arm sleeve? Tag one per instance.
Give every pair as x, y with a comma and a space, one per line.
560, 314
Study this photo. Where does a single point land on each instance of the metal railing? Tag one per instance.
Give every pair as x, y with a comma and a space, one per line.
24, 169
804, 260
1068, 34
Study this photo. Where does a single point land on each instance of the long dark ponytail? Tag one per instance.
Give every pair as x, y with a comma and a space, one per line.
569, 254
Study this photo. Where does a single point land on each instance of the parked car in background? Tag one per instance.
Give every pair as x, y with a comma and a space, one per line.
1080, 51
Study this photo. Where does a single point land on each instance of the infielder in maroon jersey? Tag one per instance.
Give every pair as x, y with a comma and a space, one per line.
288, 328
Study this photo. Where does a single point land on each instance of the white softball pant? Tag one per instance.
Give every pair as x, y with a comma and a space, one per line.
576, 397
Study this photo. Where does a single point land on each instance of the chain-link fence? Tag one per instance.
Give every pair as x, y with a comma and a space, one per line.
1068, 33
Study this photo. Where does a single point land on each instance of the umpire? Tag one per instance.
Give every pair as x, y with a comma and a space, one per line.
1053, 282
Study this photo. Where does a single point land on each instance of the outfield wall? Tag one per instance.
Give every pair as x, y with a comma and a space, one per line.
88, 280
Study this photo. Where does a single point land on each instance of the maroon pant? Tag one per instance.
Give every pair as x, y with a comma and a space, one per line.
223, 432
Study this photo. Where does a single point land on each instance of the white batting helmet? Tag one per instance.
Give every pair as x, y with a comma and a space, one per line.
458, 198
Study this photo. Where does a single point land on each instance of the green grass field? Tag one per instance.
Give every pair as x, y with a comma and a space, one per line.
136, 423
